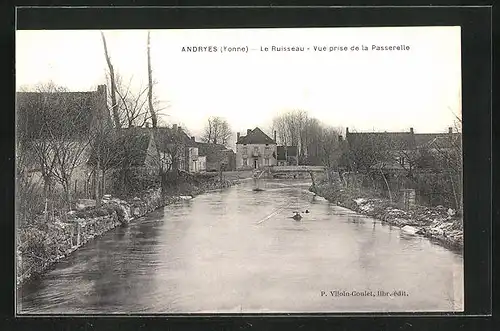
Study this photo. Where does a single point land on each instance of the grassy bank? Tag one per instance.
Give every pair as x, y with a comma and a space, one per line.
439, 224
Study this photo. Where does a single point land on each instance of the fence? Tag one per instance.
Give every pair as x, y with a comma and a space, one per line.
424, 189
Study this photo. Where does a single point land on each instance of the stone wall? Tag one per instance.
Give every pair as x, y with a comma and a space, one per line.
41, 244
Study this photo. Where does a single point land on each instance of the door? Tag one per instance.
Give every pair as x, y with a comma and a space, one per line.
255, 164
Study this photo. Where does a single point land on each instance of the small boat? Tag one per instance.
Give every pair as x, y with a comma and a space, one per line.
297, 217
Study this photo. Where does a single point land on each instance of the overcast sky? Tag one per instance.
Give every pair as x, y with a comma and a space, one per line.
363, 90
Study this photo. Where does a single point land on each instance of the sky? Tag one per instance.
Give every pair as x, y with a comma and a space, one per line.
363, 90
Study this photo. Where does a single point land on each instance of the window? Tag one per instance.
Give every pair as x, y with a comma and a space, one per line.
266, 161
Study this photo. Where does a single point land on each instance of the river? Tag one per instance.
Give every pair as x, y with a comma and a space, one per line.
238, 250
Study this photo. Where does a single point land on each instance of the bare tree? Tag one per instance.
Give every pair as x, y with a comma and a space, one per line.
152, 111
217, 131
58, 133
291, 129
34, 133
449, 156
114, 103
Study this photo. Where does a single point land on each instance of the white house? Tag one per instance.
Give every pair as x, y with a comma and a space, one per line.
255, 150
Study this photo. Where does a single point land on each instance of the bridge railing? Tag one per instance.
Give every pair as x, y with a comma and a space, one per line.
300, 168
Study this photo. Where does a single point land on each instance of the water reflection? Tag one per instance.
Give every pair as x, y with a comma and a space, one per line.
240, 251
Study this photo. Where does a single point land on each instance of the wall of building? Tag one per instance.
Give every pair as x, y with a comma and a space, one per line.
246, 152
203, 163
152, 161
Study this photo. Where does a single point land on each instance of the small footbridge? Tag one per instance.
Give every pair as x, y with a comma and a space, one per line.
314, 173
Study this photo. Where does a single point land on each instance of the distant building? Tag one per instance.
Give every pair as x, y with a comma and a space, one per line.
131, 153
177, 149
68, 117
217, 156
404, 147
255, 150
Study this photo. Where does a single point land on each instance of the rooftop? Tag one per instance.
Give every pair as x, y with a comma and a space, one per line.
255, 136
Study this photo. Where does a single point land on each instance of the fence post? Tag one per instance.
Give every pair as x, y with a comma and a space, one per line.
78, 234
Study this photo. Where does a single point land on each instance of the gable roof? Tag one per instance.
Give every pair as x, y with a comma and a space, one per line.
66, 115
255, 136
212, 151
165, 137
437, 140
387, 140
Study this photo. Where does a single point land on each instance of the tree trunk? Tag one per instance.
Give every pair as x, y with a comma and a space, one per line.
67, 194
387, 184
313, 181
457, 205
97, 183
114, 104
154, 119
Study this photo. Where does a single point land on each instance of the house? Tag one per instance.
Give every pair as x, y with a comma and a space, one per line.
287, 155
177, 150
255, 150
217, 156
128, 155
397, 151
195, 161
68, 121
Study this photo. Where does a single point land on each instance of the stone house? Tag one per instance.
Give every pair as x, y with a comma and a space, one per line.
217, 156
255, 150
175, 147
46, 121
131, 153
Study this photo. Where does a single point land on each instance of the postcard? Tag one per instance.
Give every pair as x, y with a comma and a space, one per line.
222, 171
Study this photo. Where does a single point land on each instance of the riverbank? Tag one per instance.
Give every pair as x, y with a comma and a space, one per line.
439, 224
42, 243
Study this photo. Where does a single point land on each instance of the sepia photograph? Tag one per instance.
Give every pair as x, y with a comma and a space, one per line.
234, 171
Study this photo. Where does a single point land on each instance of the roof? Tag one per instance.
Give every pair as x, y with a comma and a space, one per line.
165, 136
211, 151
388, 140
130, 147
255, 136
437, 140
291, 151
59, 114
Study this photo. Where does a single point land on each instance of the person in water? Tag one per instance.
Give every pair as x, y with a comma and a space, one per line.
297, 216
307, 211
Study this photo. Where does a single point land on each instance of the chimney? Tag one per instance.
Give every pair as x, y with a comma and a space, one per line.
180, 128
411, 130
346, 132
340, 138
248, 131
193, 138
101, 89
174, 127
450, 130
237, 136
274, 135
